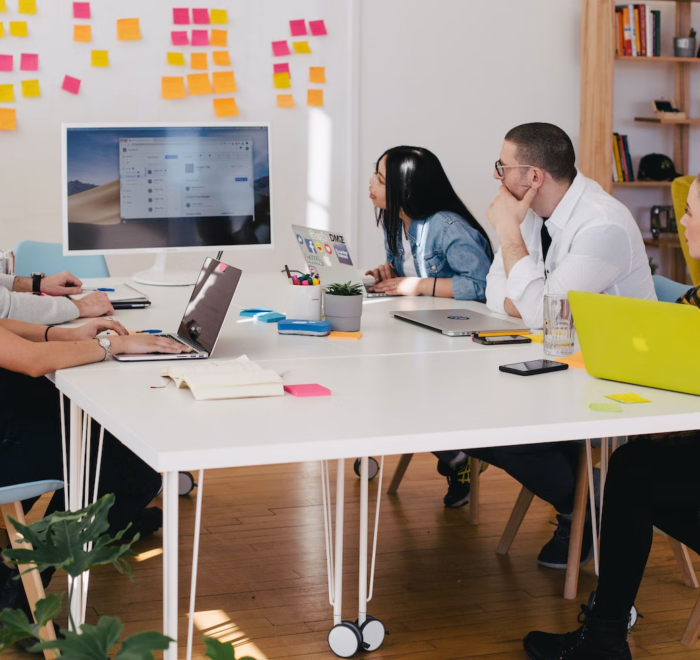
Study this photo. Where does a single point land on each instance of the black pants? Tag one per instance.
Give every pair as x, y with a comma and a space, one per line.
650, 482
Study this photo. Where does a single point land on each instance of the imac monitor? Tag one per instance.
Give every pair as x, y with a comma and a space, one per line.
160, 188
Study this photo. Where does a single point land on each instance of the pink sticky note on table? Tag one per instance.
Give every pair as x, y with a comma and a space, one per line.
298, 28
6, 62
29, 62
318, 28
283, 68
200, 16
81, 10
71, 85
180, 38
181, 16
200, 37
307, 390
280, 48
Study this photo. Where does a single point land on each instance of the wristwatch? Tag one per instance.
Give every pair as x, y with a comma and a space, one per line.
36, 282
107, 345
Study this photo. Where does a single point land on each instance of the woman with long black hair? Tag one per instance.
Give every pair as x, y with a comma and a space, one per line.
434, 245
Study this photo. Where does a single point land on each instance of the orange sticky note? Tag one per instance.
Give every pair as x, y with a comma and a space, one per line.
224, 82
317, 74
173, 87
221, 58
176, 59
82, 33
352, 336
128, 29
225, 107
576, 361
198, 83
218, 16
27, 6
100, 58
282, 80
7, 93
18, 29
218, 38
199, 61
30, 88
315, 98
301, 47
285, 101
8, 119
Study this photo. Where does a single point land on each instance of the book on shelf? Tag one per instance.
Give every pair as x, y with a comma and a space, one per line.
638, 31
622, 161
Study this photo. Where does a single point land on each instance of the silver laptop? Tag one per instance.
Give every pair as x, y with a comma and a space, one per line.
458, 322
204, 315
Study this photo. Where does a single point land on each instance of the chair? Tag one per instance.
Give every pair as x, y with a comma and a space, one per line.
668, 290
11, 498
35, 257
679, 193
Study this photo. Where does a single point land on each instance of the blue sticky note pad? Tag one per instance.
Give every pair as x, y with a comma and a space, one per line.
272, 317
309, 328
254, 311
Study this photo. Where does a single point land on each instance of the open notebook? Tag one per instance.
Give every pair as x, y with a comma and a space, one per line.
123, 297
234, 379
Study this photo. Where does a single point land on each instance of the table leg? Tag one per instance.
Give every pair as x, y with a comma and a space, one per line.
75, 500
170, 554
195, 561
364, 522
339, 524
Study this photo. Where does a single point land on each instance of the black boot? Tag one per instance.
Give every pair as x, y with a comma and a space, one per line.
596, 639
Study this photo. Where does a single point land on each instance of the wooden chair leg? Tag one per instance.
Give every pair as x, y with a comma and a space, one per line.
398, 473
693, 627
475, 477
684, 563
516, 519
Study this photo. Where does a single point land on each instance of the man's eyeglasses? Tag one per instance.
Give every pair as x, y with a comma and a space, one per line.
501, 168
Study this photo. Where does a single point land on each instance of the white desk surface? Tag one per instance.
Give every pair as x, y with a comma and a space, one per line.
400, 389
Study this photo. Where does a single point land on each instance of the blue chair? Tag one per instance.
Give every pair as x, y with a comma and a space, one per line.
35, 257
668, 290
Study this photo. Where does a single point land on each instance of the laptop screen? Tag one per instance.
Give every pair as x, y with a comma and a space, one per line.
208, 306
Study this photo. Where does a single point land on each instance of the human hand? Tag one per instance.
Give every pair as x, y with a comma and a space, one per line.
400, 286
94, 304
91, 329
142, 343
62, 284
508, 212
381, 273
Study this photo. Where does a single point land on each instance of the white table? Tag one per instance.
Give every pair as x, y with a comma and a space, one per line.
400, 389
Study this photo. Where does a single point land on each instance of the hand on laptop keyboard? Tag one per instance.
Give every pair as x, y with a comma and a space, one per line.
147, 344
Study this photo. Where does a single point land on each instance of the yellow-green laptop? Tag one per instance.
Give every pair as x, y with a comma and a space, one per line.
639, 341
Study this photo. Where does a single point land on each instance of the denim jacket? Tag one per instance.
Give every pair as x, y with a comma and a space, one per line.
445, 245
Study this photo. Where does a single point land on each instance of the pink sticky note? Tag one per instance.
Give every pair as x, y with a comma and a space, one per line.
307, 390
181, 16
81, 10
298, 28
222, 267
283, 68
200, 16
318, 28
71, 85
29, 62
6, 62
280, 48
200, 38
180, 39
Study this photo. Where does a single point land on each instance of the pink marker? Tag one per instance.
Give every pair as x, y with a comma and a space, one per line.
295, 279
305, 283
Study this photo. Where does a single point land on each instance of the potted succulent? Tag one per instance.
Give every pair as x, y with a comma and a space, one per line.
343, 306
685, 46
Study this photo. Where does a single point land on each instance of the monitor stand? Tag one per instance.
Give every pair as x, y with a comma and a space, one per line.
160, 275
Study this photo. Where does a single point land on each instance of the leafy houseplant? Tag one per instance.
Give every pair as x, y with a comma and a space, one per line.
343, 306
76, 541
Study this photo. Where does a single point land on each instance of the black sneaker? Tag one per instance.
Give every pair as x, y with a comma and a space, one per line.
555, 554
458, 482
147, 524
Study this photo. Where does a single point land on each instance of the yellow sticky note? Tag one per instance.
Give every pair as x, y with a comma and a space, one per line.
27, 6
218, 38
82, 33
128, 29
3, 6
538, 339
630, 397
199, 61
173, 88
301, 46
317, 74
605, 407
2, 30
225, 107
18, 29
221, 58
30, 88
218, 16
198, 83
345, 335
282, 80
8, 119
576, 361
285, 101
100, 58
7, 93
176, 59
224, 82
315, 98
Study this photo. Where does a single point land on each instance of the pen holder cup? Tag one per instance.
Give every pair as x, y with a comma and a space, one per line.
304, 303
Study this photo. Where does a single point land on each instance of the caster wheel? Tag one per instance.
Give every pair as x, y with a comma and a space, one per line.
373, 467
634, 614
373, 634
345, 639
185, 483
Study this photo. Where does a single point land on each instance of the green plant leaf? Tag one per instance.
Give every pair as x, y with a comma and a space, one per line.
15, 628
142, 645
94, 642
216, 650
347, 289
48, 609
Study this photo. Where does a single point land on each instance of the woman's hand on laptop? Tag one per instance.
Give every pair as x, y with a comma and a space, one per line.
404, 286
147, 344
91, 329
381, 273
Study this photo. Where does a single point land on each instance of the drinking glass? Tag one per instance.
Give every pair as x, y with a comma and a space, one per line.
559, 328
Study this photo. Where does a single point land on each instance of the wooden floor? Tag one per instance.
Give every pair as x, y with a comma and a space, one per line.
440, 589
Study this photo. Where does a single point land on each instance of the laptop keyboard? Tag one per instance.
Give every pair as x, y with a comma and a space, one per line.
177, 339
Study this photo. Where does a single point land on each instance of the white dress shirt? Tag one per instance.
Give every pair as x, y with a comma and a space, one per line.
596, 247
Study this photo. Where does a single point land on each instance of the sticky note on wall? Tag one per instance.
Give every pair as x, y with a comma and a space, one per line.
71, 85
30, 88
6, 62
219, 38
81, 10
280, 48
298, 28
173, 87
301, 47
2, 30
218, 16
128, 29
8, 119
29, 62
3, 6
285, 101
315, 98
224, 82
282, 67
200, 38
198, 83
27, 6
317, 74
221, 58
7, 93
281, 80
181, 16
180, 38
200, 16
318, 28
18, 29
100, 58
199, 61
82, 33
225, 107
176, 59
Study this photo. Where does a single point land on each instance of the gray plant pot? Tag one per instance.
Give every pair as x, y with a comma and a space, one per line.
684, 46
343, 312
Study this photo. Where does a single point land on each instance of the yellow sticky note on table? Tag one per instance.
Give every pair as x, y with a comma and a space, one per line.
173, 87
605, 407
8, 119
198, 83
218, 38
30, 88
225, 107
7, 93
221, 58
630, 397
315, 98
285, 101
176, 59
575, 361
199, 61
538, 339
27, 6
218, 16
317, 74
301, 47
128, 29
224, 82
3, 6
100, 58
18, 29
282, 80
82, 33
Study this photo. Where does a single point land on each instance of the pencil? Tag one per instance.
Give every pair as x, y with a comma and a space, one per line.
289, 275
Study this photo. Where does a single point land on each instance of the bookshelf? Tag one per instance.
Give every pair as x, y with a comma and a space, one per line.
598, 59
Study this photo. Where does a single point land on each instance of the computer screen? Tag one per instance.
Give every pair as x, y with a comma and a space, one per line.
152, 188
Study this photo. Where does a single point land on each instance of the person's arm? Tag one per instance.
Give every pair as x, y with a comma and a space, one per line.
36, 309
468, 258
61, 284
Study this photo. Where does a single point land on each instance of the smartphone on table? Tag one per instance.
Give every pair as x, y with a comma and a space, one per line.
533, 367
500, 340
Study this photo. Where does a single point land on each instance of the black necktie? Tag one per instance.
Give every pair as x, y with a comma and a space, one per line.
546, 239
